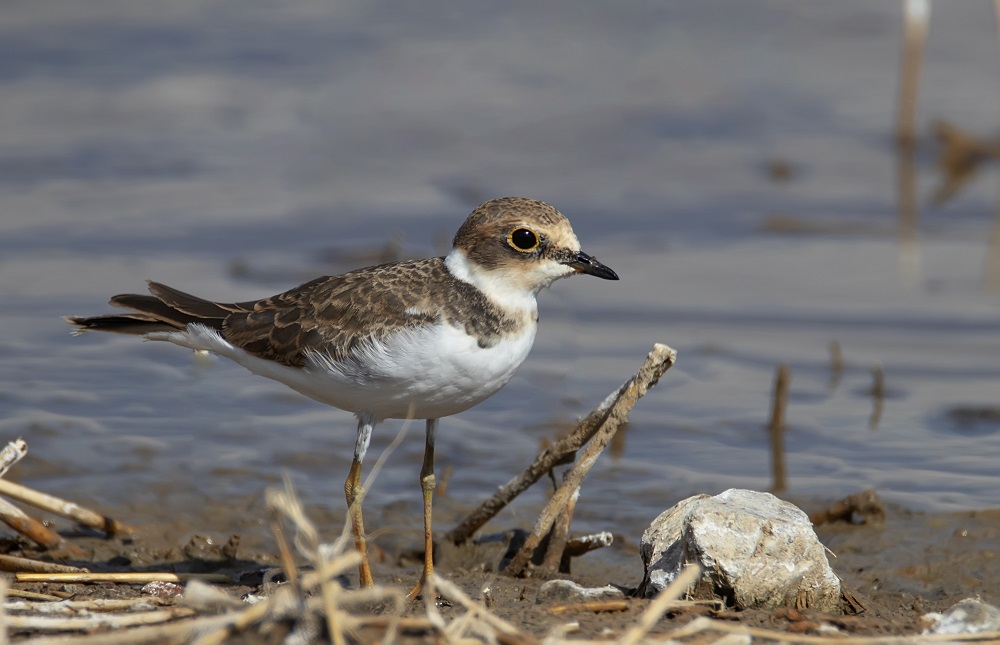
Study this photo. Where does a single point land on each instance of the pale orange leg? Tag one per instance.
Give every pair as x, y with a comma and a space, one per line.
355, 495
427, 483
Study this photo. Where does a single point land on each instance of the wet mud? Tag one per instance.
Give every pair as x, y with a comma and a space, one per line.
894, 571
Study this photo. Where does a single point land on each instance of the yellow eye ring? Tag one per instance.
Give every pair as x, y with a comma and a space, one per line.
523, 239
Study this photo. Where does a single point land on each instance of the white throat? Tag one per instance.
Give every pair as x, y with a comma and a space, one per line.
500, 286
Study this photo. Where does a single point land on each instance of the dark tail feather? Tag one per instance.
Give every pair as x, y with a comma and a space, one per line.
191, 305
135, 324
166, 310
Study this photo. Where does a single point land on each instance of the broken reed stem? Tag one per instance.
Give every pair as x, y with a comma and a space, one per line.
559, 536
779, 479
595, 606
836, 364
657, 362
12, 453
286, 558
97, 620
878, 396
27, 565
217, 629
578, 546
123, 576
28, 526
182, 631
329, 560
329, 589
76, 607
908, 205
559, 452
63, 508
916, 15
31, 595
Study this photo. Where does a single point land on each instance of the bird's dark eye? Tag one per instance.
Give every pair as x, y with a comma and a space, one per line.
523, 239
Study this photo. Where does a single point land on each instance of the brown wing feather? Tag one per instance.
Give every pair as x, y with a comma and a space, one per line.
334, 314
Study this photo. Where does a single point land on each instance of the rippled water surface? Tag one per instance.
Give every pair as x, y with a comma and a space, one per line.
731, 160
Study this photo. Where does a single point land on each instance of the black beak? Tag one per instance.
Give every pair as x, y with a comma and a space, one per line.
586, 264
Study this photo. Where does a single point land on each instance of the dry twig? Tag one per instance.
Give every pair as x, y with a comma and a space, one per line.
555, 549
96, 621
578, 546
32, 595
182, 631
12, 453
613, 412
122, 576
64, 508
28, 526
616, 604
615, 406
75, 607
15, 564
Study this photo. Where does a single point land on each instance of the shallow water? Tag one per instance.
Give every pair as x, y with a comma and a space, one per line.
233, 151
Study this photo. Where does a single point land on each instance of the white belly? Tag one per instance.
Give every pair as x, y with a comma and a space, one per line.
423, 373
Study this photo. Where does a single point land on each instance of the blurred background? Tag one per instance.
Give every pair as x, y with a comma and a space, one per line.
736, 162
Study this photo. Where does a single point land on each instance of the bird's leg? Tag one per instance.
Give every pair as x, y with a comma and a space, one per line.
355, 494
427, 483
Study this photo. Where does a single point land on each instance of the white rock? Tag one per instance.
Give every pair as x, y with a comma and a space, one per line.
755, 551
205, 597
569, 591
969, 616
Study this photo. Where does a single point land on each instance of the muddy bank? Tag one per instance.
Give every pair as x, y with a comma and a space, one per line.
897, 570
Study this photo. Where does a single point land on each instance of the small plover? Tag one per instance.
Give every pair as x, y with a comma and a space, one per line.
420, 339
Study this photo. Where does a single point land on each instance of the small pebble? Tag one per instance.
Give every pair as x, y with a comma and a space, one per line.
165, 590
969, 616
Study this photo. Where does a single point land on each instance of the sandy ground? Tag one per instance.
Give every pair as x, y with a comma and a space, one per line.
896, 570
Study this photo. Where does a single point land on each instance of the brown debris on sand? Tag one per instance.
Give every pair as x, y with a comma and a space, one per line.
858, 508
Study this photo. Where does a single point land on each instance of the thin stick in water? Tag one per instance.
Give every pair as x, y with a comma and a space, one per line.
779, 478
878, 396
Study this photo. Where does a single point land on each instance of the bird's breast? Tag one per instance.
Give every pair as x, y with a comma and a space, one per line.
424, 372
